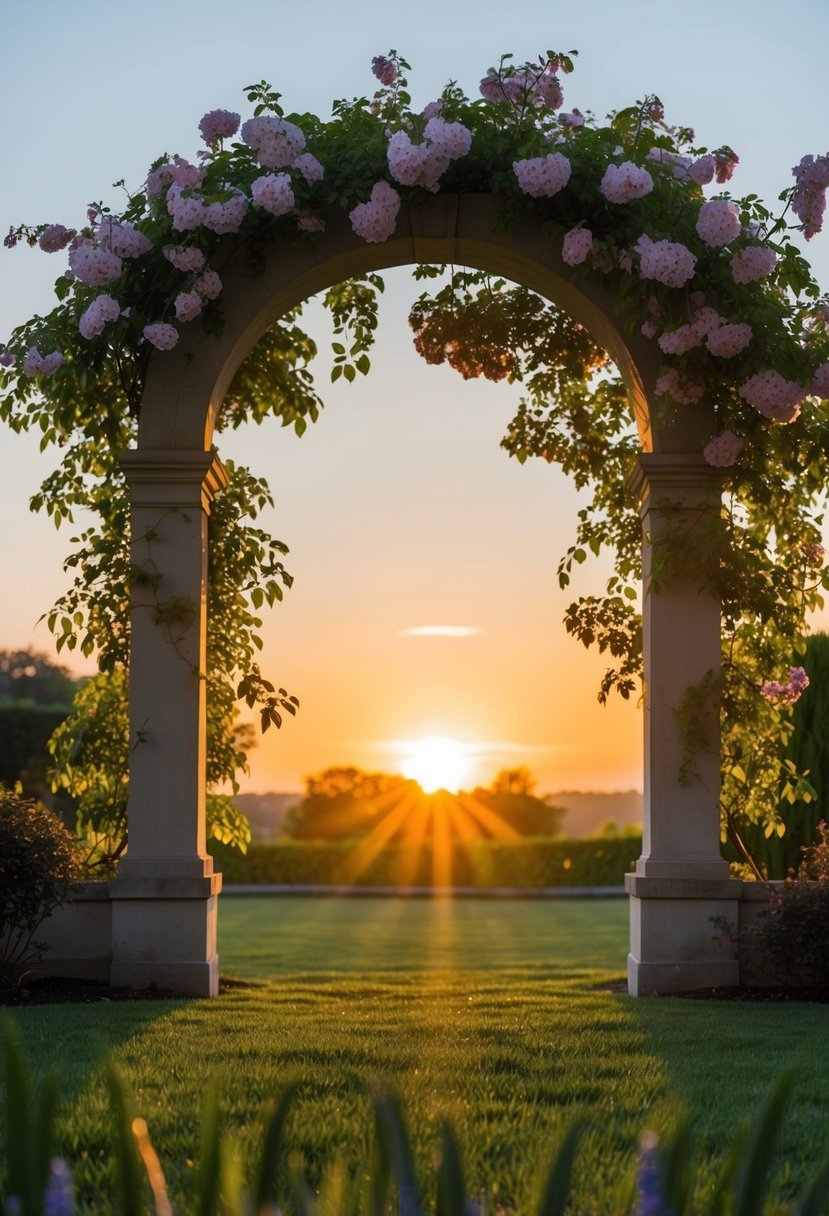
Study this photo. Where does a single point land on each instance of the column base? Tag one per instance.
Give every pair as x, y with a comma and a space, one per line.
678, 935
182, 977
164, 934
657, 979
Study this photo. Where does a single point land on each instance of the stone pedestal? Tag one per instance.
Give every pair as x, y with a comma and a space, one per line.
164, 898
681, 880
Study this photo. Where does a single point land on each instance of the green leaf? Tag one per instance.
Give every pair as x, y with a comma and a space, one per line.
557, 1189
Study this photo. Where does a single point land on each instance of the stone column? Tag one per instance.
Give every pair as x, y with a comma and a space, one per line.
165, 895
681, 881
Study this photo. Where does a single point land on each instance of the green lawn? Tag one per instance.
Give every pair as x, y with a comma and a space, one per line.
492, 1013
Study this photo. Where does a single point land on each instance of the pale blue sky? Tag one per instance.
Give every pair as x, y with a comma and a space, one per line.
400, 509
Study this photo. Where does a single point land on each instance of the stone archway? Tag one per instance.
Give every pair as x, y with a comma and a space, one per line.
164, 909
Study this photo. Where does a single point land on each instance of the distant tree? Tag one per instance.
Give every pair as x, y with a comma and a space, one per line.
35, 697
345, 803
28, 675
511, 799
514, 781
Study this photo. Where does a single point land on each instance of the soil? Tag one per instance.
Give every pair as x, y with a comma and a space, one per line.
55, 991
769, 996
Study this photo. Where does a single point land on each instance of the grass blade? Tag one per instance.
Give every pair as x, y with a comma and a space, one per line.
207, 1179
557, 1189
19, 1122
393, 1142
756, 1159
269, 1169
451, 1189
815, 1199
130, 1183
677, 1158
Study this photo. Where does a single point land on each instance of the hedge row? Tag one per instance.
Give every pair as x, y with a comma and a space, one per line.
599, 861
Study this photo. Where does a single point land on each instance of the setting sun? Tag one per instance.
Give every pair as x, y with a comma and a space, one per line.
437, 763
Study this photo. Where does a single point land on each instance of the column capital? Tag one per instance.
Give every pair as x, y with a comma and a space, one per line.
163, 477
666, 472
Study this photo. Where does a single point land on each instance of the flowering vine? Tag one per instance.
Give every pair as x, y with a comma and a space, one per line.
717, 284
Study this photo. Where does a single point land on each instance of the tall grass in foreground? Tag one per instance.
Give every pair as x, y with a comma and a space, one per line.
38, 1184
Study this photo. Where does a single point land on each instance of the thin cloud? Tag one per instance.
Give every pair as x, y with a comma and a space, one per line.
439, 631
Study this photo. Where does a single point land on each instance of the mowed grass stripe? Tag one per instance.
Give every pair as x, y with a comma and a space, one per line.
511, 1048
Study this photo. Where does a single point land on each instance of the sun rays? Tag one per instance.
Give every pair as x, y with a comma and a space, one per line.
428, 827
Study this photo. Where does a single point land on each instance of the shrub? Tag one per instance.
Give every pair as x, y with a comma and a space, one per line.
791, 938
540, 862
790, 941
38, 859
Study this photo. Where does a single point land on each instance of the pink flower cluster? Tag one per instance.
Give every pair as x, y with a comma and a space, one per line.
188, 306
102, 311
274, 193
122, 238
94, 266
753, 263
374, 221
718, 222
729, 340
36, 364
161, 336
682, 339
788, 693
275, 141
571, 120
543, 176
425, 163
218, 124
702, 170
576, 246
723, 450
385, 70
684, 392
309, 168
814, 554
820, 382
185, 210
773, 396
180, 173
208, 285
624, 182
679, 165
184, 257
225, 217
55, 237
525, 87
667, 262
809, 194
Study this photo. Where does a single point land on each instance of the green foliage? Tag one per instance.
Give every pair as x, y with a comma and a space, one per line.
531, 863
38, 859
36, 1184
90, 761
25, 729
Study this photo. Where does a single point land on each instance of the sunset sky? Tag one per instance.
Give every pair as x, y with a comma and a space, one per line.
425, 601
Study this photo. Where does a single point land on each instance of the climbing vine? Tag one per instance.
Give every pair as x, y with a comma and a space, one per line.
717, 284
